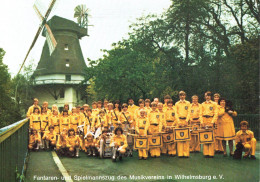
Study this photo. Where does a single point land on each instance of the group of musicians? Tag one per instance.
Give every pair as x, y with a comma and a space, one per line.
156, 127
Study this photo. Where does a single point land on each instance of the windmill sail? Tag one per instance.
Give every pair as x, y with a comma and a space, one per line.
50, 39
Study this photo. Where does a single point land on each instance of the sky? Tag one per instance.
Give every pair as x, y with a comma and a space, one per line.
110, 20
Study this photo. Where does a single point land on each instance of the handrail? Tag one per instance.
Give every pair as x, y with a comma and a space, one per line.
7, 131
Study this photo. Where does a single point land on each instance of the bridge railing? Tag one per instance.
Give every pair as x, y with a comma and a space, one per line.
13, 150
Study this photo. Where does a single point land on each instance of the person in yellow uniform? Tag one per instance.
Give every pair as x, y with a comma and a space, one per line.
50, 138
119, 141
74, 120
218, 143
126, 117
147, 107
64, 121
111, 117
44, 120
31, 108
162, 114
170, 122
209, 118
73, 143
166, 99
91, 121
85, 108
90, 144
55, 121
94, 109
182, 107
105, 105
141, 129
117, 113
67, 108
137, 111
247, 139
34, 140
99, 106
35, 119
195, 116
45, 105
155, 127
61, 142
131, 106
226, 125
55, 107
102, 120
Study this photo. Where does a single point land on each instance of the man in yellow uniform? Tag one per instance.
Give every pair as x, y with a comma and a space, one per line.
126, 117
141, 128
169, 123
218, 143
155, 127
131, 106
35, 104
209, 118
94, 109
182, 108
166, 99
246, 137
74, 120
119, 142
195, 115
45, 105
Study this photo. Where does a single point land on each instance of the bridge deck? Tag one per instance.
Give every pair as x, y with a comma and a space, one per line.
41, 163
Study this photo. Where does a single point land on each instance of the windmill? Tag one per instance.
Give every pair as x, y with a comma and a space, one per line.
49, 35
81, 12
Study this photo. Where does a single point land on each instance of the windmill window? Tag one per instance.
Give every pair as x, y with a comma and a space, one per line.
67, 63
62, 93
66, 47
68, 77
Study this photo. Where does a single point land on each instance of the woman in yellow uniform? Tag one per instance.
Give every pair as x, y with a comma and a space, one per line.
102, 121
94, 109
226, 125
55, 121
147, 107
141, 129
125, 117
65, 121
45, 116
73, 143
90, 144
35, 119
218, 143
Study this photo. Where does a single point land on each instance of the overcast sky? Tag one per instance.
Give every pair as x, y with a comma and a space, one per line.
110, 18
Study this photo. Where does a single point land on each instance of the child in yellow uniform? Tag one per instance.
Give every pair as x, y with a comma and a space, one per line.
195, 115
44, 120
182, 108
74, 120
102, 119
166, 99
65, 121
209, 118
35, 119
126, 117
226, 126
94, 109
73, 143
155, 127
246, 137
61, 142
119, 141
49, 137
117, 108
147, 107
55, 121
137, 111
168, 125
218, 142
34, 140
90, 144
141, 129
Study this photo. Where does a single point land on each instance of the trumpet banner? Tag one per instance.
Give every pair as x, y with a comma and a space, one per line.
141, 143
155, 141
206, 136
168, 138
181, 134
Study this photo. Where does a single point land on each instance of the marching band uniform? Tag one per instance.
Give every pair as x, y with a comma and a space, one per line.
155, 127
90, 144
73, 143
55, 121
74, 121
34, 140
141, 128
248, 140
50, 137
119, 141
209, 117
65, 121
182, 108
45, 121
195, 116
35, 121
30, 110
61, 142
170, 121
